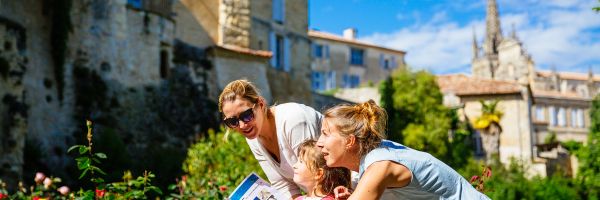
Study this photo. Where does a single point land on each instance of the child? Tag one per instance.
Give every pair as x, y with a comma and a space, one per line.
311, 173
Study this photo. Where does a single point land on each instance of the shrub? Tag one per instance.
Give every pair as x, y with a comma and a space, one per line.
218, 162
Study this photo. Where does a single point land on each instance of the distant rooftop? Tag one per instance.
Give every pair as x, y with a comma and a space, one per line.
333, 37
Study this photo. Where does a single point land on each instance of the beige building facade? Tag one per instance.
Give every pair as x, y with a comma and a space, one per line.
263, 41
345, 62
549, 103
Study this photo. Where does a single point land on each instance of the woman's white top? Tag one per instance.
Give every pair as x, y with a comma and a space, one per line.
294, 124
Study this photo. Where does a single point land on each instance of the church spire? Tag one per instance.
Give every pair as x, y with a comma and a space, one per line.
475, 47
493, 33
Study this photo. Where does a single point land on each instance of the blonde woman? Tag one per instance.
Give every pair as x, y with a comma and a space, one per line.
273, 133
352, 136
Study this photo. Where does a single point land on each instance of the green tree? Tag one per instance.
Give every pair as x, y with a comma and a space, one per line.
597, 8
489, 125
417, 116
589, 172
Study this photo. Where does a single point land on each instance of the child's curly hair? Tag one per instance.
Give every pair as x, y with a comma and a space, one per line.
332, 176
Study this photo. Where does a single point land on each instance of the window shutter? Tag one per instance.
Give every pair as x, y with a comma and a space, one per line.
326, 49
381, 61
286, 55
282, 10
273, 48
393, 63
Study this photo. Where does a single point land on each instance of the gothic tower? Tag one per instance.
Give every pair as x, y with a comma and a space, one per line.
493, 34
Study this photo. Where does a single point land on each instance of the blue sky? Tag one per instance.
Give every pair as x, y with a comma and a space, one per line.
437, 34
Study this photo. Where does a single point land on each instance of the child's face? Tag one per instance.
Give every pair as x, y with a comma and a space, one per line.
303, 176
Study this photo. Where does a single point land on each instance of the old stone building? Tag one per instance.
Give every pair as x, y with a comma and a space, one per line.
263, 41
147, 73
345, 62
536, 103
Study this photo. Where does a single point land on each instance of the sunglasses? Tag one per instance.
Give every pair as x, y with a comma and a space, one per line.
246, 116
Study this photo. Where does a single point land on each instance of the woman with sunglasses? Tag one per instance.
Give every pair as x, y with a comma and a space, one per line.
273, 133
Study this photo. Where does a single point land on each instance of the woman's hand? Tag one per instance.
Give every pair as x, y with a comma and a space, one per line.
342, 192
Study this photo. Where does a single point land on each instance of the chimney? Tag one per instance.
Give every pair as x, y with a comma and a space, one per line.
350, 33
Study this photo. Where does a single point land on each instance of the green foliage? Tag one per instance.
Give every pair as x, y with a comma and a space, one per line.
589, 155
597, 8
217, 161
550, 138
417, 116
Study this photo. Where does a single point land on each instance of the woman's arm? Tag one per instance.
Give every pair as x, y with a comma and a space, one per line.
379, 176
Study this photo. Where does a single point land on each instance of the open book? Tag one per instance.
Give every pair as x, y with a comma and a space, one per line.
254, 188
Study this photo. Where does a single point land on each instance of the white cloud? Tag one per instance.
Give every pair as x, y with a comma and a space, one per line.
561, 33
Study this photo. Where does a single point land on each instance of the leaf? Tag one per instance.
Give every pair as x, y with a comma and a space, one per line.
73, 147
172, 187
155, 189
83, 149
98, 170
83, 173
101, 155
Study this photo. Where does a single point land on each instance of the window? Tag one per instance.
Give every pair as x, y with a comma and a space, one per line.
278, 10
552, 115
562, 117
280, 47
354, 81
574, 118
317, 81
478, 144
164, 64
318, 51
350, 81
356, 56
539, 113
135, 3
580, 118
346, 81
330, 80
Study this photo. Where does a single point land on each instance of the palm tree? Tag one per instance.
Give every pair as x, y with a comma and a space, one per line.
488, 125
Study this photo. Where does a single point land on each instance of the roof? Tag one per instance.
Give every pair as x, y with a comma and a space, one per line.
567, 75
242, 50
337, 38
462, 85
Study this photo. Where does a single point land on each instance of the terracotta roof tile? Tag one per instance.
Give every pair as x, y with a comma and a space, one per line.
460, 85
243, 50
330, 36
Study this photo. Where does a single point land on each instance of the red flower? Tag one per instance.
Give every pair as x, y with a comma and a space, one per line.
474, 178
223, 188
100, 193
2, 196
488, 172
36, 198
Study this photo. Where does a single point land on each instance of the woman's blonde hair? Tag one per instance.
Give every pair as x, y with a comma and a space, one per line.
243, 89
332, 176
366, 121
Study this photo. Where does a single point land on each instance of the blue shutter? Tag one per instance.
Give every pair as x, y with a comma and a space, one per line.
275, 9
273, 48
282, 10
287, 66
382, 61
314, 50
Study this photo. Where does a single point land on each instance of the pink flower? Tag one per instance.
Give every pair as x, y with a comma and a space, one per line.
64, 190
2, 196
47, 182
39, 177
474, 178
223, 188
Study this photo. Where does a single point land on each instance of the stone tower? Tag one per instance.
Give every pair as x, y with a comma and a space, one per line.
503, 58
493, 34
